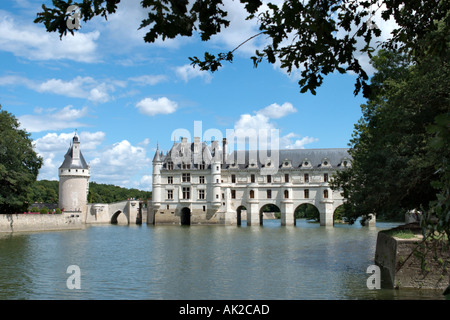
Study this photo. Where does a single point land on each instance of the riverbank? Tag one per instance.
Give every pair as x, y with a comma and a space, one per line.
399, 255
39, 222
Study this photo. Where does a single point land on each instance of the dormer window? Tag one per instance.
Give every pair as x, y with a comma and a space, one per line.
326, 162
306, 163
186, 165
170, 165
286, 163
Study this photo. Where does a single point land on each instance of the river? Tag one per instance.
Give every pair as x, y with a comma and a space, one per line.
266, 262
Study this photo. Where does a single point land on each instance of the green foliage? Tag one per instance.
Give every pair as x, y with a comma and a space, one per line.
307, 211
317, 37
19, 165
105, 193
44, 191
394, 164
47, 192
44, 210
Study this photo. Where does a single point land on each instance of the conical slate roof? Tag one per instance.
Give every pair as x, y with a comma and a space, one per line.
70, 162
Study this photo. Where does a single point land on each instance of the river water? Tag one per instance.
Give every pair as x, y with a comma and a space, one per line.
195, 262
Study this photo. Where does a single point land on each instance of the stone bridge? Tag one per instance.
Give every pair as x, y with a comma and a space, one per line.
123, 212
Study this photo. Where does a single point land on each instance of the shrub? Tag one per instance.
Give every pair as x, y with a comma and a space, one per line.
44, 210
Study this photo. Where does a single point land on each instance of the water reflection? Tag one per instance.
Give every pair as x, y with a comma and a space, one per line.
197, 262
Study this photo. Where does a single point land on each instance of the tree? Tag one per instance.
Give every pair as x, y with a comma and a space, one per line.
395, 166
19, 165
318, 37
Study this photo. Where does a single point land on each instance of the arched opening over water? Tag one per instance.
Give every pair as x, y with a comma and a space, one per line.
269, 211
119, 218
241, 211
339, 214
307, 211
185, 217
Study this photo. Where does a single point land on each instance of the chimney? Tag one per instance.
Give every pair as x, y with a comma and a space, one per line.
224, 150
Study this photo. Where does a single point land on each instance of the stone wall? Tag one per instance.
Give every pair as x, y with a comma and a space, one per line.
39, 222
401, 266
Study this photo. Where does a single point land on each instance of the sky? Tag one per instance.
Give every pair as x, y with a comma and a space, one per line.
124, 97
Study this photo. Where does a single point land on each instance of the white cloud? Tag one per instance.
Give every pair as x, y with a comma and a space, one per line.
31, 41
287, 143
276, 111
151, 107
148, 80
49, 120
79, 87
259, 129
52, 148
118, 163
188, 72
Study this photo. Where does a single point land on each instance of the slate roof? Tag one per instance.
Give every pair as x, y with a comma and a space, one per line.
70, 163
296, 158
315, 158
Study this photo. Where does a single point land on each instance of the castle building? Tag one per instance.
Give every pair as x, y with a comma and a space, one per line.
197, 183
74, 175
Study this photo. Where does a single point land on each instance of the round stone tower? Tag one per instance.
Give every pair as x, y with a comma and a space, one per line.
74, 176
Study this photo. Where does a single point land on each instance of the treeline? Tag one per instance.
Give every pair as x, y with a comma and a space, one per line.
46, 191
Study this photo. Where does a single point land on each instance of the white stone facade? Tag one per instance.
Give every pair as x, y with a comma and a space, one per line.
197, 183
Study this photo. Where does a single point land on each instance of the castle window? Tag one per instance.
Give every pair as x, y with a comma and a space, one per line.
286, 194
169, 194
306, 193
233, 194
201, 194
325, 194
269, 194
169, 180
170, 165
252, 194
201, 166
201, 179
186, 166
186, 177
325, 177
269, 178
233, 178
252, 178
306, 176
186, 193
286, 177
204, 208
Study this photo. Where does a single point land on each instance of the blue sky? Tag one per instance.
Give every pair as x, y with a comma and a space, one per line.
123, 96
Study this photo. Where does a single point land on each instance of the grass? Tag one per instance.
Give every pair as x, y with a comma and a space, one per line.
402, 234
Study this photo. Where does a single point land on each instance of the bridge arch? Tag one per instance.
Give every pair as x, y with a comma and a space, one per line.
239, 214
185, 216
119, 217
338, 213
307, 211
268, 207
